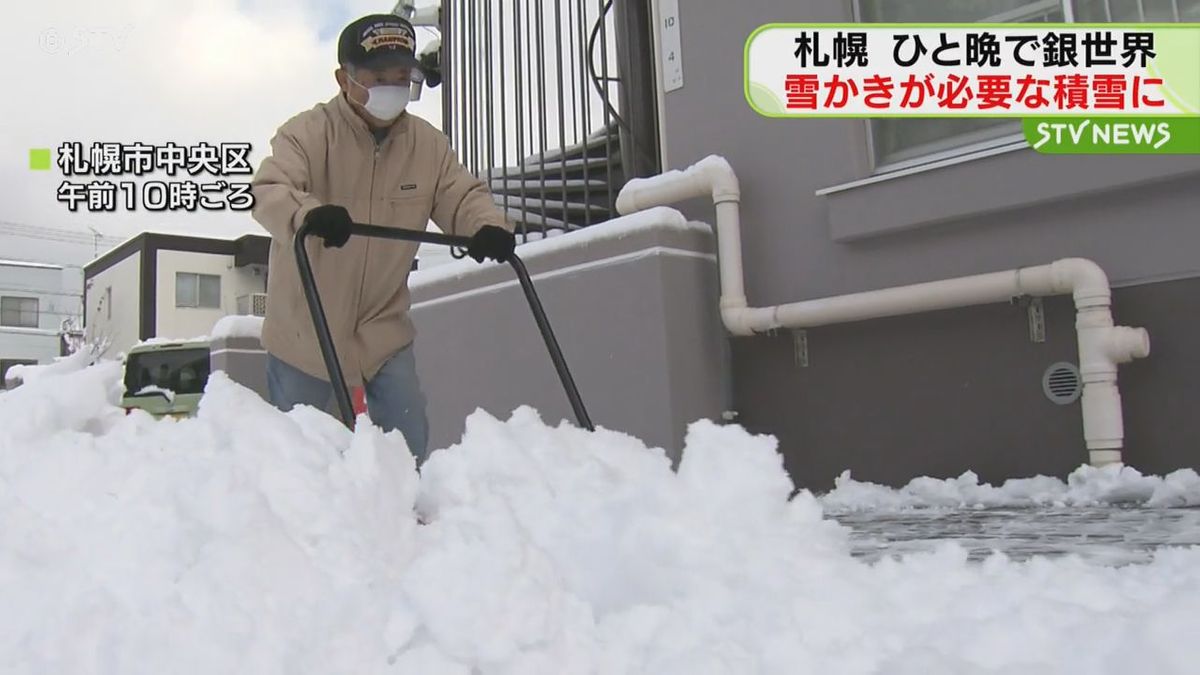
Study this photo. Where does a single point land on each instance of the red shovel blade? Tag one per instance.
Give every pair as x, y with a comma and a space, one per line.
359, 397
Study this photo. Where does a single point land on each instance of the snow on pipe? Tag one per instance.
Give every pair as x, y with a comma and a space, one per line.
1101, 344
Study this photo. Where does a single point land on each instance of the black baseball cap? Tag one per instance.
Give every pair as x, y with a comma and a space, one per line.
378, 41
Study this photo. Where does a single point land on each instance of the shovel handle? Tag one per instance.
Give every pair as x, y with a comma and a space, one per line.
325, 339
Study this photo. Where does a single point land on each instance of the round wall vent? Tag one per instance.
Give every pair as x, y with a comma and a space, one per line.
1062, 383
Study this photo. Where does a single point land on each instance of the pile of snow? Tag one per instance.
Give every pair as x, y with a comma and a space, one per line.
247, 540
1086, 486
228, 326
61, 365
237, 326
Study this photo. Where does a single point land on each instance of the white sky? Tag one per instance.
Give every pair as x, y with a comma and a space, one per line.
154, 71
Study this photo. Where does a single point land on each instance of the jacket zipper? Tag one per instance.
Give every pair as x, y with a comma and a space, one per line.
362, 282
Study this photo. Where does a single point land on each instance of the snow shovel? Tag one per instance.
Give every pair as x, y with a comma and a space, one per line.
337, 378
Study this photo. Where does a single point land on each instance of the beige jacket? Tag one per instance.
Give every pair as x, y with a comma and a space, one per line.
328, 155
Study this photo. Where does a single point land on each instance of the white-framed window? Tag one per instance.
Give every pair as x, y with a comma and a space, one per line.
197, 290
897, 143
18, 312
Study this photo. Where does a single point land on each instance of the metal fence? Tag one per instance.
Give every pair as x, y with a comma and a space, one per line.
542, 100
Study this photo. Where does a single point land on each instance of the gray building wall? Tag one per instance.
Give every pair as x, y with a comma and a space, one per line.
636, 317
245, 361
884, 398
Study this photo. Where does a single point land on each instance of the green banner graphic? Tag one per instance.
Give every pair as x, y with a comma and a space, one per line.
1113, 135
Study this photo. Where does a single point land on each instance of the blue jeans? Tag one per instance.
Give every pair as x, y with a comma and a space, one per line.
394, 396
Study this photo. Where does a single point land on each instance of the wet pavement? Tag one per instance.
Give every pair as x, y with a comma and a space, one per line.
1112, 535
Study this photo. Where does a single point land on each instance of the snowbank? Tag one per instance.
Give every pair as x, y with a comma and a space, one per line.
237, 326
1086, 486
60, 366
250, 541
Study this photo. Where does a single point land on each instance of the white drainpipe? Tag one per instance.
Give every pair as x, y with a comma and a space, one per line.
1101, 344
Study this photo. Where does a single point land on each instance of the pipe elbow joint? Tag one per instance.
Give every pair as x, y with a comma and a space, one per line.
717, 172
710, 176
1085, 279
745, 321
737, 321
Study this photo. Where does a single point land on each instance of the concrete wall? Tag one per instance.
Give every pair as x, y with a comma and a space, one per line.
114, 305
819, 220
634, 311
184, 322
244, 359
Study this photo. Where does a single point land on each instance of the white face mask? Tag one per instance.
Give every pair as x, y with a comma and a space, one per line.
384, 101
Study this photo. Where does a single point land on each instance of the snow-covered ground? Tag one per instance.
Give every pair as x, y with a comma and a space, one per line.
66, 364
249, 541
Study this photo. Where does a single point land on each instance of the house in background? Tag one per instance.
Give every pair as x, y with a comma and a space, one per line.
172, 286
37, 305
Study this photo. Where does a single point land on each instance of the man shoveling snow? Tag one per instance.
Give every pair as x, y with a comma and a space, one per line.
361, 157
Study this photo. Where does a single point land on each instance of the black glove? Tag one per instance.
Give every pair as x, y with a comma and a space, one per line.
492, 242
331, 223
431, 68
